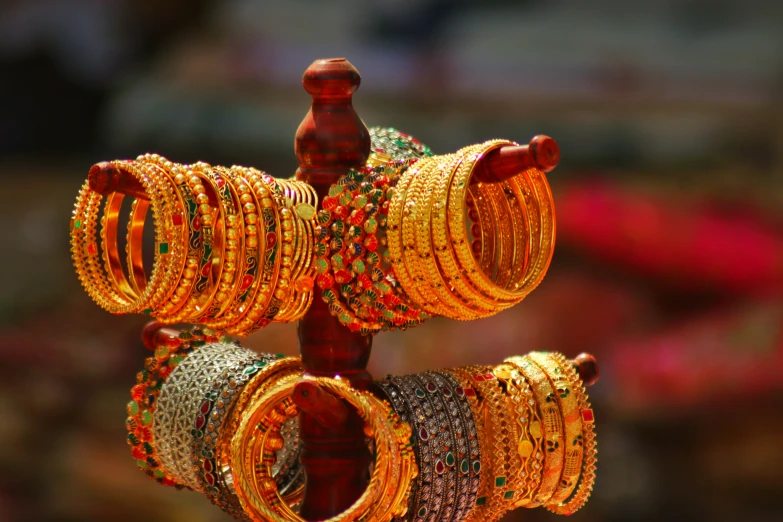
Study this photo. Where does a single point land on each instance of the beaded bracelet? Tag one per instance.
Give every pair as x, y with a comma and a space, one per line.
350, 256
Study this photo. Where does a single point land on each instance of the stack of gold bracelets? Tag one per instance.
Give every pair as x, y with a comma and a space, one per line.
404, 238
458, 444
233, 246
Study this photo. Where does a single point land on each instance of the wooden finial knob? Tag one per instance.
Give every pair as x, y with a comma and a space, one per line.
587, 366
332, 138
545, 152
325, 408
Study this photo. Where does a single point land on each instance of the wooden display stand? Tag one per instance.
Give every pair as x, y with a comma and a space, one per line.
330, 141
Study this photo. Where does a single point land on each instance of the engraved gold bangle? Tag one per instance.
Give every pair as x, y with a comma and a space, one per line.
394, 468
587, 478
554, 444
572, 419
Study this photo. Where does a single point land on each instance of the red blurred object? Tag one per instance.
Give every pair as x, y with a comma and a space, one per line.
720, 357
694, 247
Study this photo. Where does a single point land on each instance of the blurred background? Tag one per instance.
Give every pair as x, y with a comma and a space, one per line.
669, 266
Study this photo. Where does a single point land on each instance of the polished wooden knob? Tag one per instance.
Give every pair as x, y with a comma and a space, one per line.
587, 366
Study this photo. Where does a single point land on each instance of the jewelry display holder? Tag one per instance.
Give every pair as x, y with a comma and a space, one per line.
330, 141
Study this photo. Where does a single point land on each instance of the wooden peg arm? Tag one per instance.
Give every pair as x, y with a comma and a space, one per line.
105, 179
501, 164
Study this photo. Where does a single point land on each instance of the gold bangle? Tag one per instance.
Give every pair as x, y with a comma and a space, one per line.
134, 239
265, 304
394, 237
528, 419
554, 444
244, 259
572, 419
109, 246
456, 204
84, 248
271, 375
545, 225
451, 275
391, 477
414, 201
502, 435
587, 479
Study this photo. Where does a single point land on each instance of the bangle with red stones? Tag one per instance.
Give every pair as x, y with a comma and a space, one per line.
351, 259
144, 394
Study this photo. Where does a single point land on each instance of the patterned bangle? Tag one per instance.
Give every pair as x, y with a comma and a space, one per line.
180, 305
476, 305
351, 260
554, 444
587, 478
176, 419
466, 435
144, 395
258, 434
530, 445
288, 473
572, 418
85, 252
389, 144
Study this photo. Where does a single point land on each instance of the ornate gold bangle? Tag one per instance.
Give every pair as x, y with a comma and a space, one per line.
502, 435
85, 253
414, 201
554, 444
451, 274
266, 304
572, 419
456, 219
526, 414
391, 476
587, 479
394, 237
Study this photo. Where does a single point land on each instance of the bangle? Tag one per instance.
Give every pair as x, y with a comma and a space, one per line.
258, 435
451, 274
572, 419
502, 434
144, 394
265, 304
85, 252
288, 473
353, 269
528, 418
588, 442
554, 445
176, 420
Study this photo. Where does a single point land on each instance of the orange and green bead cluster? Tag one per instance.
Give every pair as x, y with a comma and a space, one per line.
144, 395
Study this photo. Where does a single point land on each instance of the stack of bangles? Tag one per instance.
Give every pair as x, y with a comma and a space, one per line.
233, 246
450, 445
401, 241
490, 439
